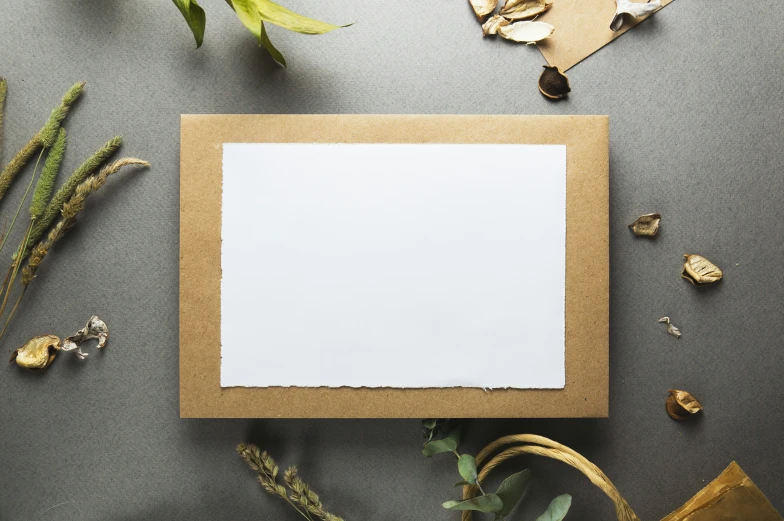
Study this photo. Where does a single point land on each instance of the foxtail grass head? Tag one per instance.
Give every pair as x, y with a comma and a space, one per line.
48, 133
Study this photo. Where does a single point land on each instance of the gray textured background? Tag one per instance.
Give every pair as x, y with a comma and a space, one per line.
694, 98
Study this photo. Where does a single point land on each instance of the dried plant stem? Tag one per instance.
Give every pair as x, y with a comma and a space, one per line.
21, 203
15, 266
3, 92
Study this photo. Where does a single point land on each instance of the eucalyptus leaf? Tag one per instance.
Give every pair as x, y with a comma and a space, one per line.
429, 423
456, 434
267, 44
486, 503
194, 15
438, 446
511, 490
462, 484
466, 465
557, 509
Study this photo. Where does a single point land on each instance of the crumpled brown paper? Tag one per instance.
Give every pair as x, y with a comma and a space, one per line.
730, 497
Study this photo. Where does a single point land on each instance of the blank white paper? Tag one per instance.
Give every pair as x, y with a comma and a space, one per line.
393, 265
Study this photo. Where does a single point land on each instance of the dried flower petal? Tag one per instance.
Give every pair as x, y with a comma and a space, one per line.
646, 225
483, 8
553, 83
38, 353
627, 10
699, 270
526, 32
674, 331
522, 9
493, 23
681, 405
95, 329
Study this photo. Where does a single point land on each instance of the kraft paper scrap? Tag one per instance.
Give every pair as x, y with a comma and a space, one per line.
586, 323
582, 27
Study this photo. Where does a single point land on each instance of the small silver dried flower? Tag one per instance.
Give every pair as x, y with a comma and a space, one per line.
674, 331
95, 329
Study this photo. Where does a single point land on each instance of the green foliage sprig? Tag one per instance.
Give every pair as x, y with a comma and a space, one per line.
299, 494
504, 499
253, 14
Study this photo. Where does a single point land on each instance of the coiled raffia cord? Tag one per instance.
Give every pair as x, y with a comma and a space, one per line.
541, 446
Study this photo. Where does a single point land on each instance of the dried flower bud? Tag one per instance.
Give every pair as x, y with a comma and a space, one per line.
629, 10
38, 353
483, 8
522, 9
681, 405
553, 83
699, 270
646, 225
526, 32
674, 331
492, 24
95, 329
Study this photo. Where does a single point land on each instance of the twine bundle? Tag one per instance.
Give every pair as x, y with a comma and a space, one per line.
541, 446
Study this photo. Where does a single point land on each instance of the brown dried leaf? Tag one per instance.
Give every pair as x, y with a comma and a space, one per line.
493, 23
674, 331
681, 405
483, 8
646, 225
38, 353
522, 9
526, 32
553, 83
699, 270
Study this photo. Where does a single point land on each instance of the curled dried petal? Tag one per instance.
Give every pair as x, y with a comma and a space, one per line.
646, 225
674, 331
526, 32
95, 329
38, 353
483, 8
698, 270
627, 10
553, 83
492, 24
522, 9
681, 405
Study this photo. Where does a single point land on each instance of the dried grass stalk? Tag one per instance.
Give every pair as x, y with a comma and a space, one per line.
65, 192
3, 92
70, 210
44, 138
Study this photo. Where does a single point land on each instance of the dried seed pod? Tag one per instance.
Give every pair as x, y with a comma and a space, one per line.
626, 10
38, 353
522, 9
492, 24
681, 405
526, 32
698, 270
646, 225
483, 8
674, 331
95, 329
553, 83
